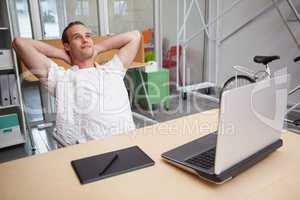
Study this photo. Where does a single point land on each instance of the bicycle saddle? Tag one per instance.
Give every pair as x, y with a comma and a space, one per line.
265, 59
297, 59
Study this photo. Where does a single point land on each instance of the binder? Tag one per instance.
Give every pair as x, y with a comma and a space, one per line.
13, 91
4, 90
10, 132
105, 165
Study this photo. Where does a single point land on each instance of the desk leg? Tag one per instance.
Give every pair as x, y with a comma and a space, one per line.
146, 93
29, 132
167, 103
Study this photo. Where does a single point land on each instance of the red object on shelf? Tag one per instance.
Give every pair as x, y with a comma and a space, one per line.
170, 60
148, 35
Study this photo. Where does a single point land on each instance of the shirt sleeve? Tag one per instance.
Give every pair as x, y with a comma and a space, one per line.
55, 73
115, 65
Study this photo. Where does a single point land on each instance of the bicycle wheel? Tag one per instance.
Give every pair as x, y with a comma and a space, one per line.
236, 81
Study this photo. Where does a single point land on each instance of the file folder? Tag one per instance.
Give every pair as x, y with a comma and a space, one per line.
105, 165
13, 91
10, 132
4, 90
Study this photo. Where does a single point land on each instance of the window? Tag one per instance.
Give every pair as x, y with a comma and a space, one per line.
22, 18
50, 25
126, 15
85, 11
120, 8
57, 14
82, 7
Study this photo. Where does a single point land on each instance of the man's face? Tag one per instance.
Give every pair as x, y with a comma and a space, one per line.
81, 45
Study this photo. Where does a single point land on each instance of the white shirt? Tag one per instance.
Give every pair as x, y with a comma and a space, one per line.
91, 102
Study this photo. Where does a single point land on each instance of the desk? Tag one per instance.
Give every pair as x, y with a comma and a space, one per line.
50, 176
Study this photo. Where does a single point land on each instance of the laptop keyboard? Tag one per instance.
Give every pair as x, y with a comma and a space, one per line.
204, 160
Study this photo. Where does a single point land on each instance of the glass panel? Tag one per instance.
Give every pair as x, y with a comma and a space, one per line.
195, 50
126, 15
57, 14
23, 18
84, 11
49, 18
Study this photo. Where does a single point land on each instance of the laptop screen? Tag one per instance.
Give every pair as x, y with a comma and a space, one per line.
251, 117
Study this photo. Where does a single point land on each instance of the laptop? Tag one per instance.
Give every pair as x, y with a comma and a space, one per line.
250, 126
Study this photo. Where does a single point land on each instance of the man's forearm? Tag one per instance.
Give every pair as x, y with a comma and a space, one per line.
117, 41
43, 48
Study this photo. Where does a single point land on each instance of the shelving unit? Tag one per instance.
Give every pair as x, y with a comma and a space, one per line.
6, 61
10, 106
12, 123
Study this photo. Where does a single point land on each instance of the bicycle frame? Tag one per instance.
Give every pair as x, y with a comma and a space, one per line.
267, 70
252, 73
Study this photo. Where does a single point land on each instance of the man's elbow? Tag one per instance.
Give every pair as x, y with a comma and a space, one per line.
135, 35
17, 42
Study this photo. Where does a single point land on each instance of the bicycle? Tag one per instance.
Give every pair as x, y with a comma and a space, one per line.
251, 77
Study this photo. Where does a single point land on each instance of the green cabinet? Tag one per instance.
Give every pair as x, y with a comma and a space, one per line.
156, 86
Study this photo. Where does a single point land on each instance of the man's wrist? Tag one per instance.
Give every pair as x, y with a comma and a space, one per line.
64, 56
99, 48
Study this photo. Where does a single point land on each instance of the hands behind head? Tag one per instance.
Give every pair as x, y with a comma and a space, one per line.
66, 57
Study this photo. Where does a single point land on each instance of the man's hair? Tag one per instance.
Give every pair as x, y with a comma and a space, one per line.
64, 37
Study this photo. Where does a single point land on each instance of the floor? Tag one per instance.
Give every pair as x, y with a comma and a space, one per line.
294, 116
44, 141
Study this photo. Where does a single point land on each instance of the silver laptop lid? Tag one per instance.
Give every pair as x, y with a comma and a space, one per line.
251, 117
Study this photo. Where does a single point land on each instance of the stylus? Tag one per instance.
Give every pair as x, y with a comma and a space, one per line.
109, 164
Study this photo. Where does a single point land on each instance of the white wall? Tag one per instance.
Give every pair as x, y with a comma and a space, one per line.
265, 36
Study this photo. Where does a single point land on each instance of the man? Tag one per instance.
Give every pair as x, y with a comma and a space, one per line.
91, 99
